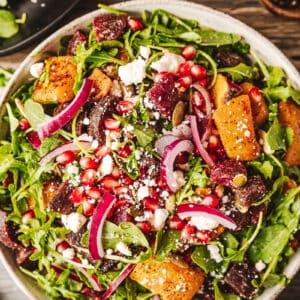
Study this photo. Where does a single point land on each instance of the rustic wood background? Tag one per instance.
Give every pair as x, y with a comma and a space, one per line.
283, 32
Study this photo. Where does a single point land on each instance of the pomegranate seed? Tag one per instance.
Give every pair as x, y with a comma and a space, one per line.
121, 190
187, 232
198, 72
102, 151
125, 151
161, 75
66, 157
188, 52
116, 173
88, 208
93, 193
76, 195
135, 24
88, 163
8, 180
125, 106
120, 202
184, 69
24, 124
182, 158
85, 291
202, 236
213, 142
111, 124
88, 177
62, 246
176, 223
34, 139
144, 226
150, 204
154, 194
185, 81
203, 82
210, 200
255, 94
294, 243
109, 182
161, 183
27, 216
187, 257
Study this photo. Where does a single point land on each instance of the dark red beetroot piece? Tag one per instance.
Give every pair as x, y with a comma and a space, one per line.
102, 110
239, 278
164, 95
23, 260
225, 171
60, 202
77, 38
226, 58
109, 26
7, 236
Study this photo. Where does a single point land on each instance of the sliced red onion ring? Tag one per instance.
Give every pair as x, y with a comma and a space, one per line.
58, 269
34, 140
168, 159
196, 137
118, 281
93, 280
95, 240
68, 146
203, 91
198, 210
235, 86
162, 142
51, 125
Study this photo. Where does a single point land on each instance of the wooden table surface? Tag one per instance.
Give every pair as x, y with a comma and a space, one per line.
283, 32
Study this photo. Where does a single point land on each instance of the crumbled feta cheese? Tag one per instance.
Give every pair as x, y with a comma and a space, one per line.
204, 223
71, 169
145, 217
68, 253
123, 248
260, 266
169, 62
142, 192
95, 144
109, 251
179, 177
36, 69
160, 217
145, 52
138, 154
215, 253
85, 137
107, 165
74, 221
86, 121
134, 72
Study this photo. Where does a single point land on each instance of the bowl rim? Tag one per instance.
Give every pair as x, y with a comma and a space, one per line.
237, 27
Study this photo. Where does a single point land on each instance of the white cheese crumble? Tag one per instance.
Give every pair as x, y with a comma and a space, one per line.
107, 165
260, 266
179, 177
71, 169
36, 69
68, 253
123, 248
142, 192
145, 52
215, 253
145, 217
203, 223
160, 217
169, 62
134, 72
86, 121
74, 221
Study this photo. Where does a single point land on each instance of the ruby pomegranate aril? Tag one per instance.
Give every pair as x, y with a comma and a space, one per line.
27, 216
62, 246
198, 72
76, 195
213, 142
150, 204
187, 232
111, 124
161, 75
135, 24
176, 223
202, 236
161, 183
210, 200
188, 52
125, 151
121, 202
121, 190
88, 208
109, 182
255, 94
144, 226
24, 124
66, 158
8, 180
93, 193
85, 291
88, 163
203, 82
182, 158
184, 81
88, 177
125, 106
184, 69
101, 151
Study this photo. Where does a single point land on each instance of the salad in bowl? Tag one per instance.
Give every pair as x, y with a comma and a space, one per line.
151, 156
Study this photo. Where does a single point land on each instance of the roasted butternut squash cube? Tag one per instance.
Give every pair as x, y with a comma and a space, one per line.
260, 110
236, 128
102, 84
168, 279
289, 116
220, 91
57, 81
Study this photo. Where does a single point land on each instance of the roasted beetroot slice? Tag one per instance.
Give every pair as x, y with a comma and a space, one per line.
7, 237
164, 95
77, 38
23, 260
60, 202
109, 27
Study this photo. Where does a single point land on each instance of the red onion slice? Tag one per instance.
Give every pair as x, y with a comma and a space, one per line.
93, 280
168, 159
68, 146
118, 281
196, 137
203, 91
58, 269
162, 142
198, 210
95, 240
235, 86
51, 125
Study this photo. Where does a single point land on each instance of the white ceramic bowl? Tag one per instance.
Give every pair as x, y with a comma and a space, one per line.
206, 16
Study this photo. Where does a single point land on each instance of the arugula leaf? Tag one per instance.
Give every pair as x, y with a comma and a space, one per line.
144, 135
282, 93
240, 72
214, 38
275, 76
5, 75
265, 168
13, 121
35, 113
276, 136
201, 257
